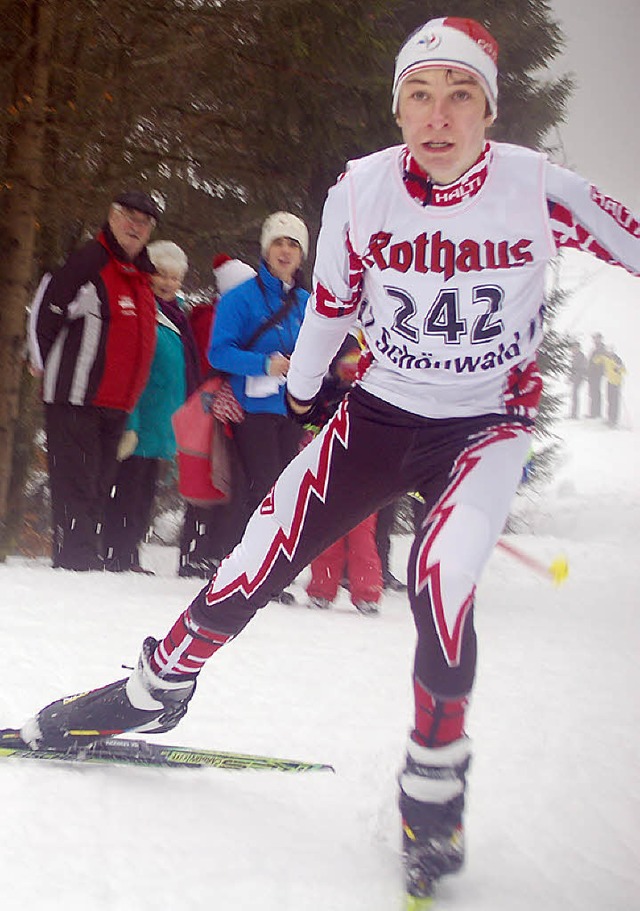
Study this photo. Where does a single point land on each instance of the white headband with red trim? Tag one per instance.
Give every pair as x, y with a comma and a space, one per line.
461, 44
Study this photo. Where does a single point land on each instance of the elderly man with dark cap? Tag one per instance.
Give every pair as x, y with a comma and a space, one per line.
93, 335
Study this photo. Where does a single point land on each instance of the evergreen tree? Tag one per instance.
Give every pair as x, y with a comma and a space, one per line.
224, 110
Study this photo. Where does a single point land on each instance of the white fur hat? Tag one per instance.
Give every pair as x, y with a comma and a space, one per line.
164, 254
461, 44
230, 272
284, 224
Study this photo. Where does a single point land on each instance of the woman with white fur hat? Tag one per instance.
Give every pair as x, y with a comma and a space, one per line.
440, 246
255, 330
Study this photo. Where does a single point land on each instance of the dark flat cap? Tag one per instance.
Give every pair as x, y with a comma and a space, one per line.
136, 199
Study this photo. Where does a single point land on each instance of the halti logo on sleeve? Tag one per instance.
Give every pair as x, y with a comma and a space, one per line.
617, 211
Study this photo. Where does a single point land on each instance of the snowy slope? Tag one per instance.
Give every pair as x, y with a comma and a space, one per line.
553, 797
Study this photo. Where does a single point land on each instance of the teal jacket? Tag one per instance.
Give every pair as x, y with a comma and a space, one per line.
164, 393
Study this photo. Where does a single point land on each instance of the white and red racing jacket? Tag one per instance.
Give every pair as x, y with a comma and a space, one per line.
448, 282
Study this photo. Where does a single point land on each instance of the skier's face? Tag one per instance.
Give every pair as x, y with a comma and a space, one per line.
444, 116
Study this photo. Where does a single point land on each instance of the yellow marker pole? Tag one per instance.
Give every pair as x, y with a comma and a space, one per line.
557, 570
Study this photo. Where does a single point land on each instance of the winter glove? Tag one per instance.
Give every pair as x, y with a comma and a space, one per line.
299, 411
318, 410
127, 445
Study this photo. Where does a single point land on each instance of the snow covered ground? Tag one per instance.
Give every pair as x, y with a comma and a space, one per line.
553, 799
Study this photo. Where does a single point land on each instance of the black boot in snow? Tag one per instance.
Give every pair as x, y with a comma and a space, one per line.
142, 702
432, 789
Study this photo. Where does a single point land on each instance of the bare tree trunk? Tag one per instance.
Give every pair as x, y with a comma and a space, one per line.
23, 187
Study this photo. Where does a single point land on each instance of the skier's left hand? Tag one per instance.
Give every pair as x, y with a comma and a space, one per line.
299, 411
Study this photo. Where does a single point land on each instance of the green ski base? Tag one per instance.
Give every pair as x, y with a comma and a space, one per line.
419, 903
126, 751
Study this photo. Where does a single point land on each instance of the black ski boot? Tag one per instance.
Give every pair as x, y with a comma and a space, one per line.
142, 702
432, 787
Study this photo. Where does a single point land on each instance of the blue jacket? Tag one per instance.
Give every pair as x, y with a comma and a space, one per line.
164, 393
240, 312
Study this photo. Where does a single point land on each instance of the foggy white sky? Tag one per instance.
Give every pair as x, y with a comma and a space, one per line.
602, 142
602, 133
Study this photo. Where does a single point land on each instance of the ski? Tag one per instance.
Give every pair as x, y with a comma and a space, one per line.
127, 751
418, 903
420, 891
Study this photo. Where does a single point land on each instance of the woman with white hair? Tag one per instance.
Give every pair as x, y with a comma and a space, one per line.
148, 439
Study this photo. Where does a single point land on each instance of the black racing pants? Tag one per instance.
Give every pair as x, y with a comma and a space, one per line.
467, 470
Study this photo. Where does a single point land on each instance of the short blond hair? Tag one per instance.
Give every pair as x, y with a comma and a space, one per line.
164, 254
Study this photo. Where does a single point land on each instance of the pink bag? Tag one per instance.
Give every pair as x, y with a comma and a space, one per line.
204, 464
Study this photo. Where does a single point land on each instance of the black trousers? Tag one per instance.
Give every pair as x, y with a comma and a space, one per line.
209, 533
82, 442
265, 443
384, 527
595, 396
575, 398
613, 404
128, 512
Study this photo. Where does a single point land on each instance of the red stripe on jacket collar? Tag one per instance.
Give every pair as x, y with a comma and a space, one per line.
420, 186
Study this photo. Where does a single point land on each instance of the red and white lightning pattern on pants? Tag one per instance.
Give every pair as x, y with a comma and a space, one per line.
274, 529
186, 647
276, 526
464, 525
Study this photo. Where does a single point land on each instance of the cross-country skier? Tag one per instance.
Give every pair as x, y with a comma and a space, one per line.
440, 246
